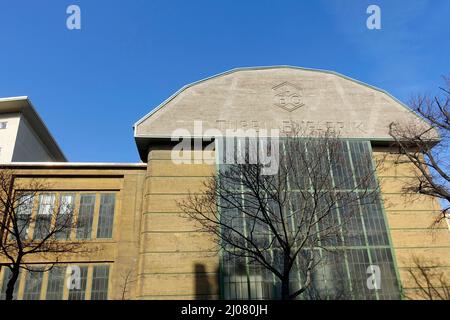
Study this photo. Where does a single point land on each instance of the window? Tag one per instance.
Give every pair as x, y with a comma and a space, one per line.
55, 284
80, 294
46, 204
25, 205
85, 216
3, 124
106, 215
44, 215
33, 285
62, 212
53, 287
100, 283
6, 276
343, 259
24, 211
65, 216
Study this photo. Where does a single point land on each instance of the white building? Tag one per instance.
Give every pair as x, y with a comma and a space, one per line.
23, 135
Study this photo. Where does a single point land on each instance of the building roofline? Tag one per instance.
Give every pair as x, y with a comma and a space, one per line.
13, 98
165, 102
77, 165
23, 105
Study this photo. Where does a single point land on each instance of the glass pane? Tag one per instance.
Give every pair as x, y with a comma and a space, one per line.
25, 204
46, 204
362, 164
44, 216
358, 261
23, 215
6, 276
343, 179
85, 216
55, 284
100, 283
33, 285
65, 216
351, 220
377, 233
382, 257
80, 292
106, 215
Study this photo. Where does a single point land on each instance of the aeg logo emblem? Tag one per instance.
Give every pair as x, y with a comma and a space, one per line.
287, 96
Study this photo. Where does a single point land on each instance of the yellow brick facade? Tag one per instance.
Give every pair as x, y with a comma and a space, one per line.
411, 219
165, 255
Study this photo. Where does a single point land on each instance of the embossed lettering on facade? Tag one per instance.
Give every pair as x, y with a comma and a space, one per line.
342, 127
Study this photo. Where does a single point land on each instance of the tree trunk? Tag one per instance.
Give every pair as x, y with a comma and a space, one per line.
12, 282
285, 292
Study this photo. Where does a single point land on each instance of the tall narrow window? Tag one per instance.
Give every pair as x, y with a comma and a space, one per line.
44, 215
23, 214
6, 276
85, 216
348, 192
65, 216
80, 292
55, 284
33, 285
106, 215
100, 282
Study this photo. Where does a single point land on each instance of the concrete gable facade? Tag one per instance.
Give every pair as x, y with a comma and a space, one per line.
271, 97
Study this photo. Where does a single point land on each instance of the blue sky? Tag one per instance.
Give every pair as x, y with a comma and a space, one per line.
91, 85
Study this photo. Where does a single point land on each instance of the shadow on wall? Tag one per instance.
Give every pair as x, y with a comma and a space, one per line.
205, 288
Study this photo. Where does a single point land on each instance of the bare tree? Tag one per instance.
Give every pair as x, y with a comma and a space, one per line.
432, 284
51, 227
277, 222
127, 280
426, 147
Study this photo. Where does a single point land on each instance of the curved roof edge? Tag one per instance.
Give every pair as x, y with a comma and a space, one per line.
185, 87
